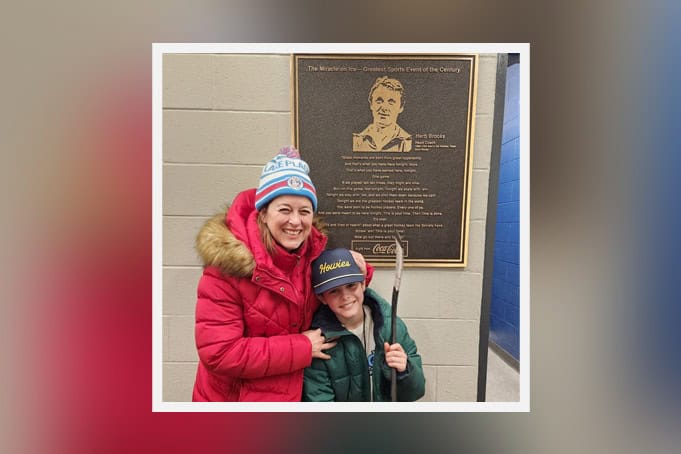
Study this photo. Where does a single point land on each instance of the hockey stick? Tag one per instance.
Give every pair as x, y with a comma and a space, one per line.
399, 263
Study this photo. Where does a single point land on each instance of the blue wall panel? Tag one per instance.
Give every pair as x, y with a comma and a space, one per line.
505, 308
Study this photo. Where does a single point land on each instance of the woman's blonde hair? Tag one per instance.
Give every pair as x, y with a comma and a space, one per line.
265, 234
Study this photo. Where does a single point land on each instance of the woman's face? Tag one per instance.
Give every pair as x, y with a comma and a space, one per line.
289, 220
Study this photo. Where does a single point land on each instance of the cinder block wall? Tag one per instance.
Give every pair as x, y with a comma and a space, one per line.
224, 116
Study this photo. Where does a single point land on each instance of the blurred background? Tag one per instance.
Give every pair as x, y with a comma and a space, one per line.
76, 239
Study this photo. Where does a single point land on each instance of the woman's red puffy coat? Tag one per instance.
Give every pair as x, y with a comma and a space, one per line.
251, 309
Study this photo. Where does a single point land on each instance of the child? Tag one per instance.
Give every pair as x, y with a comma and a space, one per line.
358, 319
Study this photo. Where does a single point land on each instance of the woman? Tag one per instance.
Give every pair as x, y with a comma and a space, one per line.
255, 299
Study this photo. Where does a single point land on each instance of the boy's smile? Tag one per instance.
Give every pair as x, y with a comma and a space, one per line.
346, 302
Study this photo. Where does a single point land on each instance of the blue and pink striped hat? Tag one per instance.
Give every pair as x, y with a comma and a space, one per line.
285, 174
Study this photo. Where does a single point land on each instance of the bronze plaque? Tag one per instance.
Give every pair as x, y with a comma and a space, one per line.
389, 140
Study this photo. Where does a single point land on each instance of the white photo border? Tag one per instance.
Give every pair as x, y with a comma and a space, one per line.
159, 49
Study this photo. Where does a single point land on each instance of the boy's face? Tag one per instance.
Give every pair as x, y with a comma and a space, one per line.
346, 302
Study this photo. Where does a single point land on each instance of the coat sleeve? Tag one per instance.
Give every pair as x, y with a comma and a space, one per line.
220, 341
317, 384
411, 384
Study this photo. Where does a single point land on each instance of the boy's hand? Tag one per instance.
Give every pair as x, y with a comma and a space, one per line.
395, 356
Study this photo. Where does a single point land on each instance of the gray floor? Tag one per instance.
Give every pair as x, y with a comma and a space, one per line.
503, 383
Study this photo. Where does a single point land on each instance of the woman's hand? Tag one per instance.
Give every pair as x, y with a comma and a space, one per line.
395, 356
359, 260
318, 343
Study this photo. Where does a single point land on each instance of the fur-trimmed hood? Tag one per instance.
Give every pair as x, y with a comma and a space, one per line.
227, 248
217, 246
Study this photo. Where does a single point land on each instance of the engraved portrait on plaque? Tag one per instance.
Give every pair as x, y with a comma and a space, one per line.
386, 102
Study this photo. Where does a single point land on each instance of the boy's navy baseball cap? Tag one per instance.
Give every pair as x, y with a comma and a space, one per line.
334, 268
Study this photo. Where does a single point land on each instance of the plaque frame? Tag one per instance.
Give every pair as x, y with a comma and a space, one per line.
437, 74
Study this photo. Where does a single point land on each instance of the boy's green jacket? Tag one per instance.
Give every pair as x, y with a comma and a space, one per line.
345, 377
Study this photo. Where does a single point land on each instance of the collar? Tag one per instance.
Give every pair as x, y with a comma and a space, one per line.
325, 319
285, 260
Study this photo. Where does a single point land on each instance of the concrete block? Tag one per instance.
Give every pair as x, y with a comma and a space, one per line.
179, 290
446, 342
479, 195
224, 137
487, 73
457, 384
383, 280
179, 235
433, 293
463, 297
483, 141
187, 81
165, 322
252, 82
181, 343
419, 291
178, 381
202, 190
430, 373
476, 246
